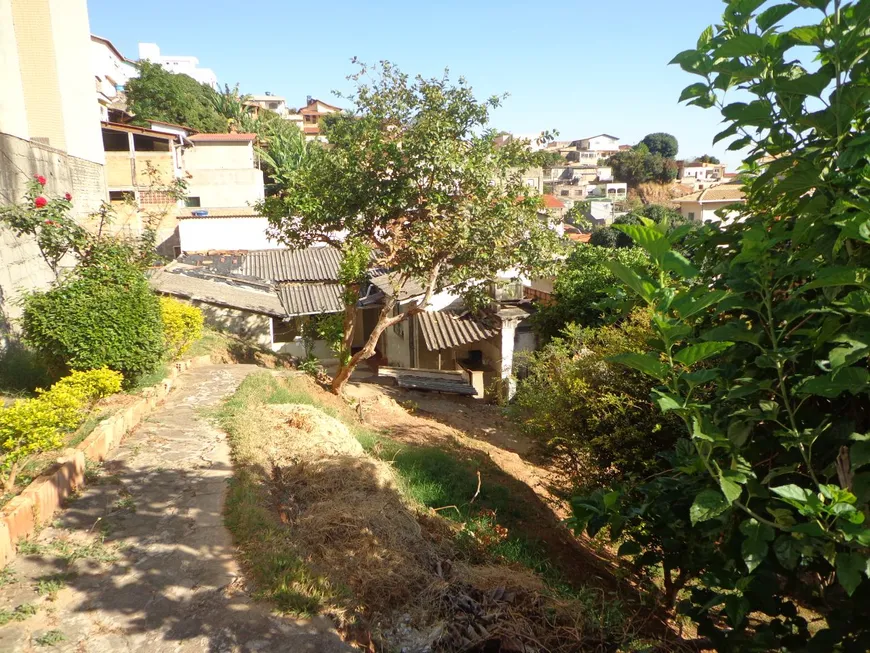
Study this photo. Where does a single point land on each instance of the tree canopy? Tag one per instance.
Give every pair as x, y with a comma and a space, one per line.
638, 165
759, 526
706, 158
582, 282
661, 143
413, 178
157, 94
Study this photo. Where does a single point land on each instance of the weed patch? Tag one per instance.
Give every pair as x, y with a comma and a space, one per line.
50, 638
20, 613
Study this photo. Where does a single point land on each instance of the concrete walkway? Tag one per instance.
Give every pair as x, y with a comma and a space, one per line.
141, 561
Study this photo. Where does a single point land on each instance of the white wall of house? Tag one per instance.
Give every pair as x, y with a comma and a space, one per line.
706, 211
13, 112
600, 143
204, 234
223, 174
185, 65
111, 71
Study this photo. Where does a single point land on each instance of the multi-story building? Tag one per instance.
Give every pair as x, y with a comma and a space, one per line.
49, 126
112, 71
184, 65
311, 113
222, 171
700, 175
713, 205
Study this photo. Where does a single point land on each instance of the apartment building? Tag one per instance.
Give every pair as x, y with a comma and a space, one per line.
49, 126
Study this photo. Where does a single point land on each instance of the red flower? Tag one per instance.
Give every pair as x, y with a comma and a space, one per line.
68, 197
40, 202
40, 179
49, 222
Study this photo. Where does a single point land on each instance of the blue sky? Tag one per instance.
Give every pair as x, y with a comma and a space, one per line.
582, 67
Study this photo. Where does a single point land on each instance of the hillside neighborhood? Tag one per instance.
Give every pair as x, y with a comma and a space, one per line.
369, 372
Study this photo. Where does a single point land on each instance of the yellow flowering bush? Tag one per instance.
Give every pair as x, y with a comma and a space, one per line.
30, 426
182, 325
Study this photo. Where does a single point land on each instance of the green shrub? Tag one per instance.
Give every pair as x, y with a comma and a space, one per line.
182, 325
585, 410
102, 315
29, 426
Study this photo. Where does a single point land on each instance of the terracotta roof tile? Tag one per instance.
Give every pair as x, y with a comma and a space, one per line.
553, 202
232, 138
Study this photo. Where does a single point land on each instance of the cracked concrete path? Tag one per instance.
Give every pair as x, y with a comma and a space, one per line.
141, 561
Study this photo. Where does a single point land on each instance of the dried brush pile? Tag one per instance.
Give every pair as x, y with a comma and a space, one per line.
411, 590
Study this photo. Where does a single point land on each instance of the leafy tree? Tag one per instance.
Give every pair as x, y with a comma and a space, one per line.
584, 409
157, 94
706, 158
669, 218
639, 165
414, 180
582, 282
549, 159
661, 143
764, 356
604, 237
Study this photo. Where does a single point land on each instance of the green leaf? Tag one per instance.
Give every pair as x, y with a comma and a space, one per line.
859, 454
725, 133
850, 569
687, 304
740, 45
649, 238
806, 34
694, 90
813, 84
730, 489
666, 401
855, 350
707, 505
792, 492
769, 17
736, 607
629, 549
645, 363
787, 550
833, 384
755, 546
702, 351
732, 331
633, 280
679, 265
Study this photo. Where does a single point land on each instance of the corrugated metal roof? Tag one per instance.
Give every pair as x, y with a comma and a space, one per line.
311, 298
280, 265
172, 281
450, 328
387, 283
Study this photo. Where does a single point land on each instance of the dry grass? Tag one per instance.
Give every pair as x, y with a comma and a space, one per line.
324, 527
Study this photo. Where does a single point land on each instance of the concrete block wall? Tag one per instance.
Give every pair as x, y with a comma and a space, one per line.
21, 265
36, 505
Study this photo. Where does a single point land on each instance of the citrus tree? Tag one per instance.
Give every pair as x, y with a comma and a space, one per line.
761, 524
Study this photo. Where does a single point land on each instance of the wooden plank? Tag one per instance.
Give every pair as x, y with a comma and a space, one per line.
447, 375
426, 383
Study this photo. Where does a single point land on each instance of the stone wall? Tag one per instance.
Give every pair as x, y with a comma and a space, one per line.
21, 266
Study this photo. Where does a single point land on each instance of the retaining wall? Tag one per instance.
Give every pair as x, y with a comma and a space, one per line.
36, 505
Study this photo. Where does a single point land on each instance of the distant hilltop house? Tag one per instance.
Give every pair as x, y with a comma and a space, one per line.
699, 175
112, 71
307, 118
180, 64
712, 205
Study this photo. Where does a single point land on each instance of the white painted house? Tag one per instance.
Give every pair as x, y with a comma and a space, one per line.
699, 175
179, 64
112, 70
205, 230
222, 171
704, 205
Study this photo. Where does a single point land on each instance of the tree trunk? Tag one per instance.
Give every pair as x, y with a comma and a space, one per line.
384, 321
368, 350
9, 482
